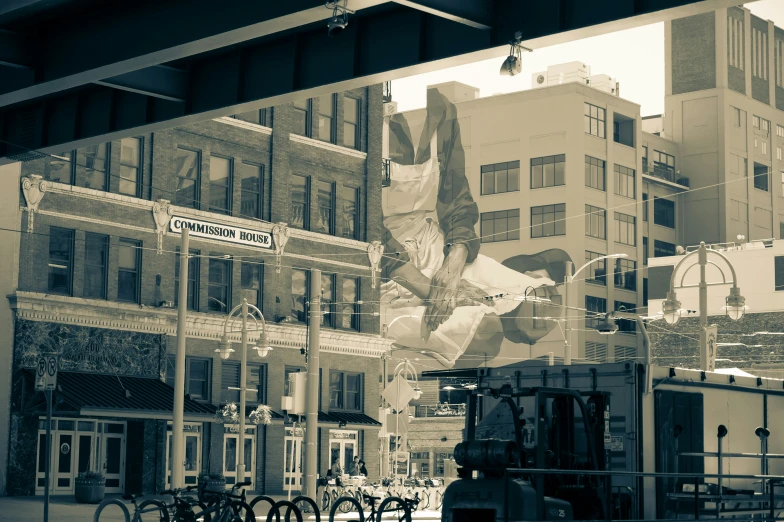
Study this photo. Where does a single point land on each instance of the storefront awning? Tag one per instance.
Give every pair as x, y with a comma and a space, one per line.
355, 419
93, 394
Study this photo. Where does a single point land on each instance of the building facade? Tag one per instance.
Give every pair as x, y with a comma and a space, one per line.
267, 196
565, 172
724, 81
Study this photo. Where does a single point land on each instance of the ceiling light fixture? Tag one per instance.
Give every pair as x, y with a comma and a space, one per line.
339, 19
513, 64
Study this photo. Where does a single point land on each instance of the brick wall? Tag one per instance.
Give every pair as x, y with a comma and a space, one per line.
694, 53
760, 88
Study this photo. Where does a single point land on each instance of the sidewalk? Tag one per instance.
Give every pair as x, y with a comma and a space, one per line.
63, 508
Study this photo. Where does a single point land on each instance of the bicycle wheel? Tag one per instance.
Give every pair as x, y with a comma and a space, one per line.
439, 499
242, 511
111, 513
394, 505
151, 511
338, 504
326, 500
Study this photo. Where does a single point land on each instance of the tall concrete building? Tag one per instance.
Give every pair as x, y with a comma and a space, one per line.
566, 168
724, 80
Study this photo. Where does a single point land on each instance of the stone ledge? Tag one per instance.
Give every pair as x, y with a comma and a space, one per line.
328, 146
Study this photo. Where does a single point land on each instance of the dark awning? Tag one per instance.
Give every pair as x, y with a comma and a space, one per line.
94, 394
356, 419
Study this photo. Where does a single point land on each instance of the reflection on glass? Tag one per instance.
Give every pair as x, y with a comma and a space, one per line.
231, 454
248, 458
191, 453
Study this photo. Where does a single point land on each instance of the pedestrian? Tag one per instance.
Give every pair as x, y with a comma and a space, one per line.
362, 469
337, 469
354, 470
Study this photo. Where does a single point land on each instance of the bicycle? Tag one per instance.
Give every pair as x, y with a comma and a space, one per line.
155, 508
226, 506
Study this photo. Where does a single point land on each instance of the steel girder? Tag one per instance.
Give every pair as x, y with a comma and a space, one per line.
157, 64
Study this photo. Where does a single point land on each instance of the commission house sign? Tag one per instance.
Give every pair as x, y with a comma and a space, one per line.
221, 232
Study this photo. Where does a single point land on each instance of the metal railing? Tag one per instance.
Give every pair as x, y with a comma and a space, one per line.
663, 172
732, 245
440, 410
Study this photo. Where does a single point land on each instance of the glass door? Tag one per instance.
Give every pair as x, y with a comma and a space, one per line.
62, 463
192, 462
292, 460
343, 448
230, 455
113, 459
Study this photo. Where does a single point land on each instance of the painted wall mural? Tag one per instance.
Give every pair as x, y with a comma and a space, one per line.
444, 301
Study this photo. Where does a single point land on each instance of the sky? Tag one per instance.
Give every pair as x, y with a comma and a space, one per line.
634, 57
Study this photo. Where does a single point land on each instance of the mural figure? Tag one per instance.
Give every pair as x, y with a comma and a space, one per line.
441, 298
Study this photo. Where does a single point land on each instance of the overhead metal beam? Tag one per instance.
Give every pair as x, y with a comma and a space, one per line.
378, 45
15, 50
473, 13
158, 81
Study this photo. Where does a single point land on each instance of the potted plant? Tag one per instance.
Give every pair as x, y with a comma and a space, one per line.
89, 487
211, 482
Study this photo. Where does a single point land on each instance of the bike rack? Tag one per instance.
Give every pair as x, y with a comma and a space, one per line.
275, 510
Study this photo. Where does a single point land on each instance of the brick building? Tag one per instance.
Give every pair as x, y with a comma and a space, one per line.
98, 275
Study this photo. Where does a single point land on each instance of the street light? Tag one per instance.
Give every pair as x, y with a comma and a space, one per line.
609, 326
569, 278
735, 302
225, 350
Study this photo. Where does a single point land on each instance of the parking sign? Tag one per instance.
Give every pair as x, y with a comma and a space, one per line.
46, 373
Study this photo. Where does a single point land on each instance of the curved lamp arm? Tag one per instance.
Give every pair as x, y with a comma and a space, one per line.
707, 251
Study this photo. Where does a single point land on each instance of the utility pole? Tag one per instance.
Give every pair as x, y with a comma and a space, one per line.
567, 334
178, 439
312, 395
243, 382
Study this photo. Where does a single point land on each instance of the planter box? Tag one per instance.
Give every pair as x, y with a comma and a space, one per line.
89, 491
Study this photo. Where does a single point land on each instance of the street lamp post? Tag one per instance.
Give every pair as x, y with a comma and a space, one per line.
568, 279
406, 370
735, 302
263, 349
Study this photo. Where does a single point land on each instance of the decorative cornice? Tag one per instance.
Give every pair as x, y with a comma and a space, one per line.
34, 306
328, 146
255, 127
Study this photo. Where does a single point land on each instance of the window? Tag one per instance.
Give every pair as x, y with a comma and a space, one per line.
128, 278
251, 277
735, 42
251, 190
593, 307
197, 376
220, 185
765, 125
351, 112
644, 206
594, 120
624, 325
300, 201
736, 116
782, 183
326, 123
548, 171
350, 215
96, 250
778, 153
327, 300
779, 131
188, 165
644, 159
781, 230
299, 292
61, 246
764, 148
597, 271
548, 220
440, 458
595, 173
625, 229
501, 177
422, 461
130, 162
349, 316
61, 169
595, 222
663, 249
219, 288
645, 291
326, 208
93, 173
345, 391
626, 274
255, 382
755, 122
625, 182
664, 212
259, 117
664, 165
760, 177
193, 279
300, 118
778, 266
645, 251
503, 225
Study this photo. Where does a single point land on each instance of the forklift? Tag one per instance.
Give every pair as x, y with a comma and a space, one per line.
496, 479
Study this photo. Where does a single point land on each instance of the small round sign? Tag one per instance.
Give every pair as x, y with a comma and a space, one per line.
65, 448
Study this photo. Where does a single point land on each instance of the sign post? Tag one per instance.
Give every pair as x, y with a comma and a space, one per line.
46, 381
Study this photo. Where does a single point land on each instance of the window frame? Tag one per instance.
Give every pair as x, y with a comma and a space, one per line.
625, 173
328, 306
308, 110
601, 173
343, 392
624, 326
227, 210
218, 259
259, 266
661, 214
258, 196
622, 268
645, 250
332, 210
762, 182
93, 239
589, 118
591, 321
261, 386
357, 125
345, 229
193, 271
645, 207
512, 233
196, 203
306, 209
778, 273
131, 243
600, 215
69, 235
355, 317
663, 247
494, 169
541, 161
557, 208
595, 267
139, 168
630, 221
333, 131
171, 360
84, 169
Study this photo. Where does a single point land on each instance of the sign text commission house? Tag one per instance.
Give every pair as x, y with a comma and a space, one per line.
221, 232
